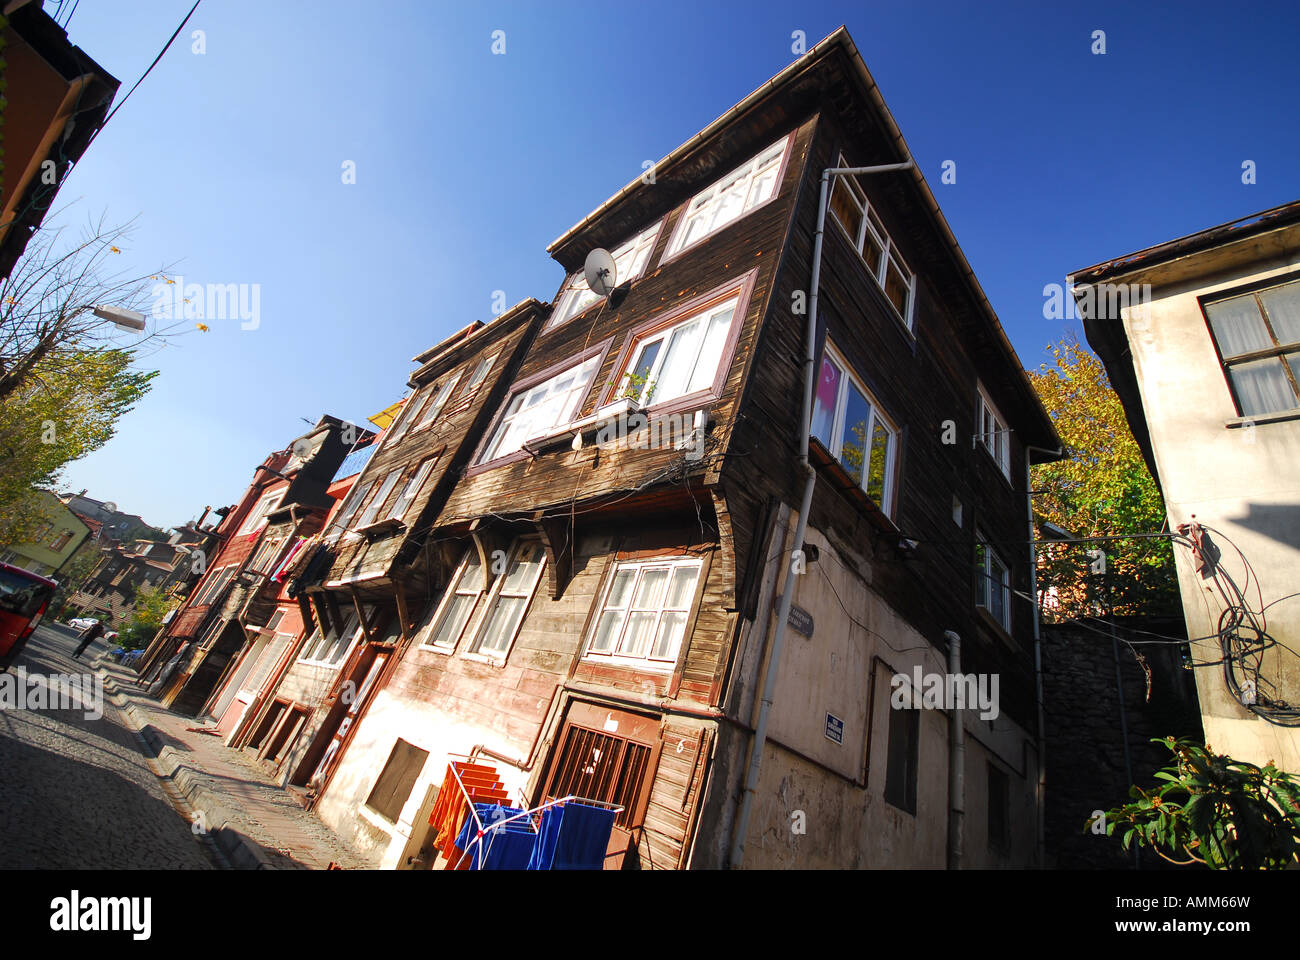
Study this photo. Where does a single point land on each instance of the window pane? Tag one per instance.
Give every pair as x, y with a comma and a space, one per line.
857, 413
896, 287
706, 366
679, 361
650, 591
1283, 306
501, 624
1238, 326
620, 589
640, 628
846, 208
682, 588
1262, 386
639, 378
879, 463
828, 392
607, 631
669, 637
519, 578
454, 619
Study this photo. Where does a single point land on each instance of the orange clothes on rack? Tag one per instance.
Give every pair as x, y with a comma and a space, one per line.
450, 810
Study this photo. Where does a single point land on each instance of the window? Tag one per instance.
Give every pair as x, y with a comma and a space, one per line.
367, 516
644, 613
402, 422
458, 606
393, 788
258, 514
263, 559
729, 198
900, 772
412, 489
993, 434
533, 411
436, 400
994, 584
999, 809
862, 224
355, 497
215, 583
854, 430
596, 765
480, 373
681, 359
1258, 338
509, 599
630, 261
61, 541
328, 648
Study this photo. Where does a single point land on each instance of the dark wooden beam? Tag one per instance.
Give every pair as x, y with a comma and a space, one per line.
557, 539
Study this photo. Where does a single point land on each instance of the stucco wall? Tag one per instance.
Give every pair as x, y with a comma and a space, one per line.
1242, 481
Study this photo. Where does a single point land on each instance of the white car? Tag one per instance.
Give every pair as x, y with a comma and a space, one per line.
82, 623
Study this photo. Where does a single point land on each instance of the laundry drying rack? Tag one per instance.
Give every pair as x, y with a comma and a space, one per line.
484, 833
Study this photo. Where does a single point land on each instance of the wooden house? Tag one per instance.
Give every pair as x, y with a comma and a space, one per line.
596, 605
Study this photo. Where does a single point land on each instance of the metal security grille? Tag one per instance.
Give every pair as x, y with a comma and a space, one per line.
598, 766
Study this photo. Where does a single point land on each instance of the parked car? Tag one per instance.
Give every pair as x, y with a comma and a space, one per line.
82, 623
109, 636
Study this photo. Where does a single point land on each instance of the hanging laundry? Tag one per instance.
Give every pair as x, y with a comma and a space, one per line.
572, 836
508, 846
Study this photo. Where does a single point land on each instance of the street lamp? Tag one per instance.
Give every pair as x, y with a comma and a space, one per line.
127, 319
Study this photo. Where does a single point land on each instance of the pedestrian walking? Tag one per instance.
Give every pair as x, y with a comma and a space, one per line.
88, 636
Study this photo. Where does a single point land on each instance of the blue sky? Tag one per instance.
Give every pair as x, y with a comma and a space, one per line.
468, 164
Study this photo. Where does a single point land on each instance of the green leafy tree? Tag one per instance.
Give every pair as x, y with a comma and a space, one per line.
1213, 810
151, 605
67, 407
1101, 489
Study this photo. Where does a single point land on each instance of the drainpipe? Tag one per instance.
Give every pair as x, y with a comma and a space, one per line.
956, 760
1038, 656
810, 481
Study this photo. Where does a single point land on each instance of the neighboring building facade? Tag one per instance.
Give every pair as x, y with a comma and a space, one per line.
109, 592
210, 630
589, 607
1209, 374
56, 538
58, 100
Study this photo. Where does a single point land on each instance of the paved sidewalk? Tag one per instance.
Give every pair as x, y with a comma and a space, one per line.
255, 823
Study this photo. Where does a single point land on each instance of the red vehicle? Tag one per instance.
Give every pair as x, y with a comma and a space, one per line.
24, 597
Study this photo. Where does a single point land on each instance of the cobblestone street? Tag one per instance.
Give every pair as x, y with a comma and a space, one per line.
123, 791
78, 793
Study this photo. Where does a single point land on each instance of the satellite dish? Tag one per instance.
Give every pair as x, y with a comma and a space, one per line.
110, 506
600, 271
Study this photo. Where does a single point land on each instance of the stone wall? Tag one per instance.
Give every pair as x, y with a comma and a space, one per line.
1085, 749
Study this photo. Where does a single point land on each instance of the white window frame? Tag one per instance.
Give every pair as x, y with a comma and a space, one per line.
649, 394
320, 643
216, 583
267, 552
437, 399
707, 204
474, 651
480, 374
987, 579
576, 395
254, 521
456, 586
993, 434
888, 249
665, 661
370, 512
411, 490
630, 262
835, 443
356, 495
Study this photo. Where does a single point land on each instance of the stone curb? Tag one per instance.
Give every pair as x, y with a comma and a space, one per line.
242, 852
